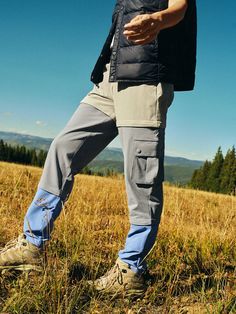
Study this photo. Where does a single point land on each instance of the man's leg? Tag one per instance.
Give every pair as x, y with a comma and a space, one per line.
144, 174
143, 150
86, 134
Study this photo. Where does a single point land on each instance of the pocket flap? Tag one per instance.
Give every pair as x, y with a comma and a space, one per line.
145, 147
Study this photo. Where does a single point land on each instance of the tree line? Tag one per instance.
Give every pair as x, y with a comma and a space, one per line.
218, 175
22, 155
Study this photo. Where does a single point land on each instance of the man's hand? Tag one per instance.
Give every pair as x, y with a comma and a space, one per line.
144, 28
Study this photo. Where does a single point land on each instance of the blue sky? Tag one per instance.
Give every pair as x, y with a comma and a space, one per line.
49, 48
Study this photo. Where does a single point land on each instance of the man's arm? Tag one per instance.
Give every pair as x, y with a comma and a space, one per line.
144, 28
173, 14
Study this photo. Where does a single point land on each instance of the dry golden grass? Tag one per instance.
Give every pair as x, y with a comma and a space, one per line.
192, 262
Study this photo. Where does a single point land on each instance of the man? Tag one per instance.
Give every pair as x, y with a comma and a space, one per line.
149, 53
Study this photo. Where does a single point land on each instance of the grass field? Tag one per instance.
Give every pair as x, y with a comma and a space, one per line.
192, 264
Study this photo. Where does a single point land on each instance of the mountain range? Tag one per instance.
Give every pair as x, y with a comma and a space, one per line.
177, 169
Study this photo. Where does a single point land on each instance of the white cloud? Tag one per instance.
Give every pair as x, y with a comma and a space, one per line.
40, 123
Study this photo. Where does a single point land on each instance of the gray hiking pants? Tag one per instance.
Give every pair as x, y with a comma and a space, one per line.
86, 134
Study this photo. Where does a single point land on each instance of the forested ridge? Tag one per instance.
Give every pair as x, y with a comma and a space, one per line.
30, 156
218, 175
21, 154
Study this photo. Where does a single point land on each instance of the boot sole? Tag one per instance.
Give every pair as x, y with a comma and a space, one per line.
131, 293
26, 267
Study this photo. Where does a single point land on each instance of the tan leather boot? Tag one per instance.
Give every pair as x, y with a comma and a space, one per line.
120, 280
20, 254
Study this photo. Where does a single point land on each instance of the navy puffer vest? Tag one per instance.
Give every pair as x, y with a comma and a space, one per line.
171, 57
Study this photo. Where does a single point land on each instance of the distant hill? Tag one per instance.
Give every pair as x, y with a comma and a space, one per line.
29, 141
181, 161
177, 169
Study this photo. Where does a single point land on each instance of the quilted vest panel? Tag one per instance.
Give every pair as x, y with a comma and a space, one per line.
171, 57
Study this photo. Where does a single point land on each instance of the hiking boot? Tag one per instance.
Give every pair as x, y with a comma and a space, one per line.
20, 254
121, 280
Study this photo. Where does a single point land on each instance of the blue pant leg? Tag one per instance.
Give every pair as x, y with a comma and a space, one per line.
40, 217
139, 243
143, 149
86, 134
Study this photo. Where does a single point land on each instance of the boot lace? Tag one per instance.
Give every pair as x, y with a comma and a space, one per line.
16, 243
110, 277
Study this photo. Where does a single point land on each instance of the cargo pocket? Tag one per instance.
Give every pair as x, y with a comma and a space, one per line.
146, 162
